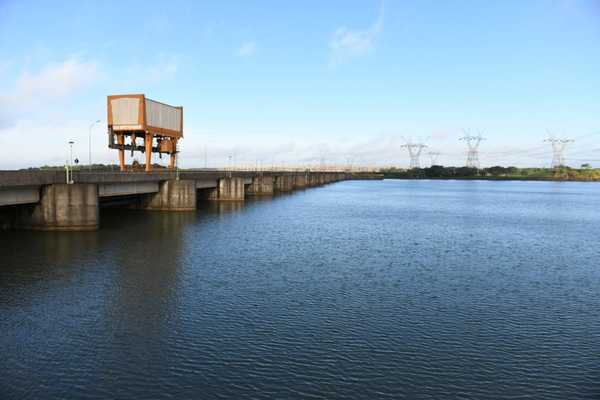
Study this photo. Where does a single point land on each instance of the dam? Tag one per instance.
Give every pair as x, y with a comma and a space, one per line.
45, 200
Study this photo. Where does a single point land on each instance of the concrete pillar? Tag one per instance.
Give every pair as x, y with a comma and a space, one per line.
173, 195
284, 183
289, 183
300, 181
261, 185
62, 207
314, 179
229, 189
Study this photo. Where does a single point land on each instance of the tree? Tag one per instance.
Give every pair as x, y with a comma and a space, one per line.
496, 170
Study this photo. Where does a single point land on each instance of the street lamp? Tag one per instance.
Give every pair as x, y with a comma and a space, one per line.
90, 143
70, 166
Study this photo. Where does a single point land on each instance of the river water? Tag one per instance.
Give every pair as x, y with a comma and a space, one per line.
362, 289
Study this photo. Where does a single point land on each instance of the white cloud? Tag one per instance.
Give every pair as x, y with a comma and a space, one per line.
56, 80
346, 44
50, 84
51, 136
247, 49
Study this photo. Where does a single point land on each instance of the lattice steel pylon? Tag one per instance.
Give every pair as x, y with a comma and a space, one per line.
558, 148
433, 156
473, 142
414, 151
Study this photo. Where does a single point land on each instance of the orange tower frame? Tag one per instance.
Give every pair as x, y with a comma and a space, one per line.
133, 116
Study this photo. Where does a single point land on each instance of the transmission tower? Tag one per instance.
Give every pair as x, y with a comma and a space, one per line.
433, 156
558, 148
414, 151
473, 145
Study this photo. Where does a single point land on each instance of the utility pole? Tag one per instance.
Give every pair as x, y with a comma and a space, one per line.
177, 163
414, 151
70, 164
473, 146
558, 148
90, 143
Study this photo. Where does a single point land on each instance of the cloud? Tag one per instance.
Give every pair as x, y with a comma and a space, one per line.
247, 49
346, 44
56, 80
50, 137
48, 85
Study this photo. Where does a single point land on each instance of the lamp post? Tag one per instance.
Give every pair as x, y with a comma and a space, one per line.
70, 166
90, 143
177, 163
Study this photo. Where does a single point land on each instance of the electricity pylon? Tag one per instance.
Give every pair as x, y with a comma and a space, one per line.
473, 146
433, 156
558, 148
414, 151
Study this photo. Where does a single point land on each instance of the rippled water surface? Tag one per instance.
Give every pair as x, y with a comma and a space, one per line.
393, 289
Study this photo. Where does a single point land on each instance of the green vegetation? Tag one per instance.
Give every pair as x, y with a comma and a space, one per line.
585, 173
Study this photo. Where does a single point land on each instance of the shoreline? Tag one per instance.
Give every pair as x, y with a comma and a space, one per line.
490, 178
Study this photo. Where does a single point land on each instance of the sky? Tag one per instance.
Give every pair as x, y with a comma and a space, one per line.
307, 82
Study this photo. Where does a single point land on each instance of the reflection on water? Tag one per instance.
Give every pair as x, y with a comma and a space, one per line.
399, 289
221, 207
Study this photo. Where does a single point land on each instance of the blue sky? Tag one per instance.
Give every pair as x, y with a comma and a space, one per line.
297, 82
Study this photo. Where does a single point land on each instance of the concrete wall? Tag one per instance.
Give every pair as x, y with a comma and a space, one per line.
261, 185
62, 207
127, 189
173, 195
58, 206
9, 179
206, 184
19, 195
229, 189
284, 183
300, 181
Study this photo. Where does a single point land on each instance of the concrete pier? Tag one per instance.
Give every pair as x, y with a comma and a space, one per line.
313, 180
62, 207
284, 183
261, 186
229, 189
172, 195
300, 181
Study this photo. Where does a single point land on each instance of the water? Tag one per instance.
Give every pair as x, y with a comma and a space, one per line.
394, 289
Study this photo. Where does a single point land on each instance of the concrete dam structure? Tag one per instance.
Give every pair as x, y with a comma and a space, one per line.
42, 200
